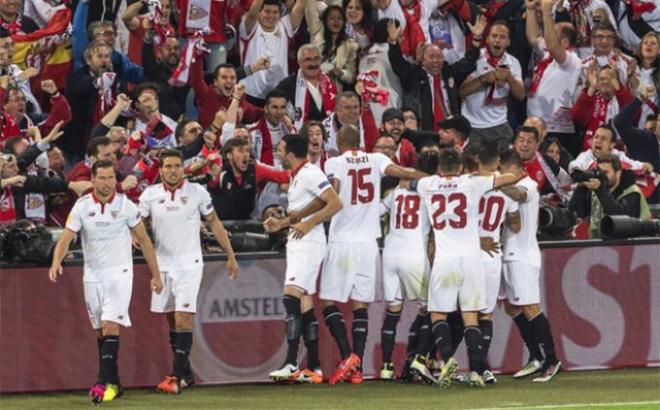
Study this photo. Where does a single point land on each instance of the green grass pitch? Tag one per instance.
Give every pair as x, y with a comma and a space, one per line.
605, 389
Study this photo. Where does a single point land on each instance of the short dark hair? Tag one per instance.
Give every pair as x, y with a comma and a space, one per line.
530, 130
500, 22
275, 93
488, 152
410, 109
104, 163
296, 144
429, 143
277, 3
603, 26
510, 157
469, 157
346, 94
178, 133
94, 144
169, 153
220, 67
449, 160
609, 128
10, 144
428, 162
567, 31
610, 159
233, 143
142, 87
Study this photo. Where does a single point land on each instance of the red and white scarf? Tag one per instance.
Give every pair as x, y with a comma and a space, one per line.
494, 62
598, 118
371, 91
106, 97
262, 141
539, 70
326, 89
195, 47
7, 207
160, 27
413, 35
578, 13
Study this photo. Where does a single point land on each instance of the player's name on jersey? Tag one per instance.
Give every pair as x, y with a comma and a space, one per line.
258, 307
362, 159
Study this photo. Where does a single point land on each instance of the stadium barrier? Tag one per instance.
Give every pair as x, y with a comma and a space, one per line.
599, 298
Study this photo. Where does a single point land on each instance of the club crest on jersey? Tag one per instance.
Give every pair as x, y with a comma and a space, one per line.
91, 214
114, 214
161, 201
184, 200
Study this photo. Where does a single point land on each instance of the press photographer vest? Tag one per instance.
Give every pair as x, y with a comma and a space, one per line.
597, 209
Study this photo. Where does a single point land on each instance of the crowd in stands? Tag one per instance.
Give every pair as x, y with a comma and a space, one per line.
571, 86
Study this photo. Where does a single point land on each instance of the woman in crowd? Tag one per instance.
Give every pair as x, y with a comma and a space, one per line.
359, 21
648, 57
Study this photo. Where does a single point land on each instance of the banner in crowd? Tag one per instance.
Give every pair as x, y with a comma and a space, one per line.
599, 300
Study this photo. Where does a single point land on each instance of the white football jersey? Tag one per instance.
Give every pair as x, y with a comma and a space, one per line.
176, 222
522, 246
105, 233
307, 183
409, 222
493, 207
453, 208
359, 174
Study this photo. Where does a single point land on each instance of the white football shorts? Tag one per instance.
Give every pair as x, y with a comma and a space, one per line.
303, 264
180, 289
522, 283
457, 281
405, 277
107, 300
493, 275
349, 271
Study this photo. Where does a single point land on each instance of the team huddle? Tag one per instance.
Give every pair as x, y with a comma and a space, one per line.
482, 210
480, 207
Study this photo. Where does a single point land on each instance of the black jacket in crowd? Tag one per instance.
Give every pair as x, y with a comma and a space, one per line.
580, 202
642, 145
172, 100
417, 89
230, 200
288, 87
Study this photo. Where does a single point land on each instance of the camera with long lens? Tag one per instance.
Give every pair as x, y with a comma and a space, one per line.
26, 242
584, 176
622, 226
556, 222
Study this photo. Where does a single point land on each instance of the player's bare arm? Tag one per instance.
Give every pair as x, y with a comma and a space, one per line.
61, 249
221, 235
513, 192
403, 172
332, 206
506, 179
272, 224
513, 221
147, 248
489, 245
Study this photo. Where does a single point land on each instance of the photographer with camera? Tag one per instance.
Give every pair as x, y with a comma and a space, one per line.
607, 190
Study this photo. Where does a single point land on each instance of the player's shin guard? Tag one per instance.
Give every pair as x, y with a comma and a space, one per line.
292, 327
360, 328
486, 327
311, 337
474, 342
425, 339
335, 322
181, 353
442, 338
455, 320
388, 334
173, 335
109, 354
541, 326
527, 334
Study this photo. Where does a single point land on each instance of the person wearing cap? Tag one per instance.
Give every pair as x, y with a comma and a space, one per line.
454, 132
393, 126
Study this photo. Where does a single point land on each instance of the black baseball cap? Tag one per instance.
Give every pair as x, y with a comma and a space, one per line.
392, 113
457, 122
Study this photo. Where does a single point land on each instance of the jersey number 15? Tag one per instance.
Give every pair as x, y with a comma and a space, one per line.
361, 191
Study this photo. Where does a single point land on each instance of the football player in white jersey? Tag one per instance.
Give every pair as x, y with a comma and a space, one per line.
495, 209
349, 269
175, 207
406, 267
305, 251
457, 277
105, 220
522, 270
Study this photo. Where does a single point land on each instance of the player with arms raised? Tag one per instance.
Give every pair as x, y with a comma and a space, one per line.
175, 207
305, 251
106, 219
457, 277
349, 269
